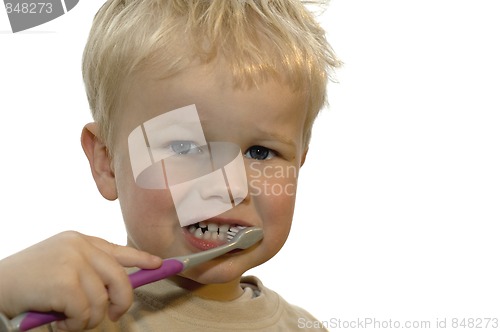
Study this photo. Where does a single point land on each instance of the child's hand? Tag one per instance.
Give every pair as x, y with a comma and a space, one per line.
78, 275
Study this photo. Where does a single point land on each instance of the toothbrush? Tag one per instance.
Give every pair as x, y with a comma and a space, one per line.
238, 238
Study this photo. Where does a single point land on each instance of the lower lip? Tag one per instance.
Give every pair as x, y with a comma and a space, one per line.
201, 244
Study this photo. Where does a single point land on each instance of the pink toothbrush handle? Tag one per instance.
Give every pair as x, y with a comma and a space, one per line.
170, 267
33, 319
139, 278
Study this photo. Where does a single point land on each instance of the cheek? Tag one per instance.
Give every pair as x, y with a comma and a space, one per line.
139, 205
278, 181
277, 214
145, 205
274, 198
149, 217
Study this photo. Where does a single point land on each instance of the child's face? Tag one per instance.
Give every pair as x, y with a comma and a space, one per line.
266, 123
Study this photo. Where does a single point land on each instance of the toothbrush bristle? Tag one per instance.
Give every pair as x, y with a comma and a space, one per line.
233, 231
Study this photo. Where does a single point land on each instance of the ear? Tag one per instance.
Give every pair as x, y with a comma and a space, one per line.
100, 161
304, 155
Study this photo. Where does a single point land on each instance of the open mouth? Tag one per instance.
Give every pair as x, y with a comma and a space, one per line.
206, 236
210, 231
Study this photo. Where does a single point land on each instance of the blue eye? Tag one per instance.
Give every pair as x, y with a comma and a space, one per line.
259, 153
184, 147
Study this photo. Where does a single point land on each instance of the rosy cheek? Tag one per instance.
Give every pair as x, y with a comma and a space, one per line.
146, 207
282, 207
274, 199
276, 215
151, 220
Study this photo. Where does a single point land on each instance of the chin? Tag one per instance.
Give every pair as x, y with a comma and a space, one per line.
218, 274
218, 271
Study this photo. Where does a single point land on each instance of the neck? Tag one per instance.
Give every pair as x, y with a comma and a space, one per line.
218, 292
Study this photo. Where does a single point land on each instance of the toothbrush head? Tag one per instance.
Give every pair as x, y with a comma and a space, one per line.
245, 237
239, 238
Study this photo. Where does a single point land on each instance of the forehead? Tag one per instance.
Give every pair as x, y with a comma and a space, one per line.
211, 88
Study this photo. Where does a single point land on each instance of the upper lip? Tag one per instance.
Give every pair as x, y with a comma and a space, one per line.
227, 221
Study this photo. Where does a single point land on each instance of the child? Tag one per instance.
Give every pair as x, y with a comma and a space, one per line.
184, 74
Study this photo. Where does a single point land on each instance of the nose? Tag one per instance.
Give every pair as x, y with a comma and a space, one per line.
236, 177
209, 195
213, 186
227, 184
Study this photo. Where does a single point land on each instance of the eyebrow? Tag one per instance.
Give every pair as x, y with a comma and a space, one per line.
279, 137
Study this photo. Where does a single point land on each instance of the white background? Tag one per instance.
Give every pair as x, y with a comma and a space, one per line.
399, 201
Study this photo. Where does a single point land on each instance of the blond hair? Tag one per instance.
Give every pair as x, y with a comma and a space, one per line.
259, 39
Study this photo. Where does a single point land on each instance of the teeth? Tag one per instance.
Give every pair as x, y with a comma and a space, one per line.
198, 233
223, 228
210, 231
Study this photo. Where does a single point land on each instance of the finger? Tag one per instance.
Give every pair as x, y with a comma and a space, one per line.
97, 293
114, 277
77, 312
131, 257
127, 256
88, 303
